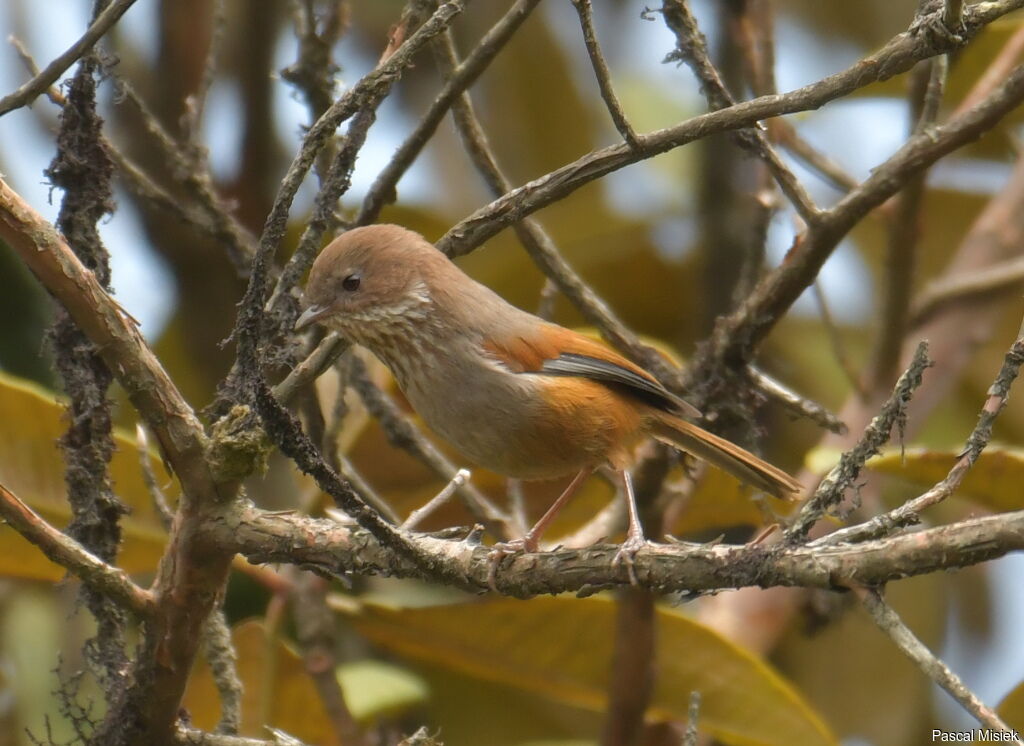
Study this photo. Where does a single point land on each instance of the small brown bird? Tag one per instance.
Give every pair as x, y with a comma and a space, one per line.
512, 392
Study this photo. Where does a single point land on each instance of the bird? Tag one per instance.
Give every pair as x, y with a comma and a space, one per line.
511, 392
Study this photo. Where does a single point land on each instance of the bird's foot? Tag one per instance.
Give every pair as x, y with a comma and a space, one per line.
504, 549
627, 553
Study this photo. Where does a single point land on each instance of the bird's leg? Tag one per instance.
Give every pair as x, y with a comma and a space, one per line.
634, 534
529, 542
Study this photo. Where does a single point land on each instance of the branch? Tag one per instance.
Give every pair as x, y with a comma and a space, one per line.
909, 513
601, 72
186, 587
382, 190
890, 623
898, 56
106, 580
893, 413
41, 83
737, 334
691, 48
264, 537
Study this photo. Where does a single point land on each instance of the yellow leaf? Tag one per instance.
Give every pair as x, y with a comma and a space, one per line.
1011, 709
560, 648
31, 466
993, 482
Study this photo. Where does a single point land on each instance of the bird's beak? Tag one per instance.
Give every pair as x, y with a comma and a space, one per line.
310, 316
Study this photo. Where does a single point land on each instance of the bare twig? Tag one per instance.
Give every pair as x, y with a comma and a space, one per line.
418, 515
1000, 277
39, 84
221, 657
908, 643
842, 476
899, 55
737, 334
909, 512
928, 82
184, 736
794, 402
691, 48
316, 364
788, 137
836, 341
383, 188
692, 715
601, 72
995, 74
163, 508
104, 579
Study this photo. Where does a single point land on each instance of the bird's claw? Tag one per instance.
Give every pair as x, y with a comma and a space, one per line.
626, 555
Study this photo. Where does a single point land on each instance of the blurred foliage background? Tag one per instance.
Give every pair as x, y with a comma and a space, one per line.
660, 241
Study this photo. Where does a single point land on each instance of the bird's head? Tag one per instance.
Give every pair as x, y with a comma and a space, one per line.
371, 281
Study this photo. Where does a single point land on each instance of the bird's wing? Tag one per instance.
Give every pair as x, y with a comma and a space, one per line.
557, 351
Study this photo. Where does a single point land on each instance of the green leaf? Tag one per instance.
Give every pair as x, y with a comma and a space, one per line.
31, 466
560, 648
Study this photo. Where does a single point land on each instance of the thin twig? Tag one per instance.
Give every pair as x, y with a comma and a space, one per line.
39, 84
995, 74
196, 101
692, 716
691, 48
185, 736
909, 513
601, 72
889, 622
156, 494
383, 188
104, 579
418, 515
927, 85
737, 334
220, 654
312, 367
794, 402
1000, 277
787, 136
897, 56
836, 342
830, 492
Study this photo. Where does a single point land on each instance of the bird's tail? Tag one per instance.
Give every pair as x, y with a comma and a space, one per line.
727, 456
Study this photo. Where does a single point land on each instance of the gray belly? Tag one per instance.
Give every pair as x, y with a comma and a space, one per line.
495, 419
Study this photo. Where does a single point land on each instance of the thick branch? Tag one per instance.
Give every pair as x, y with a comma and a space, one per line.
265, 537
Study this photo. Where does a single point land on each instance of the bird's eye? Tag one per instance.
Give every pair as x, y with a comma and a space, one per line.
350, 283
